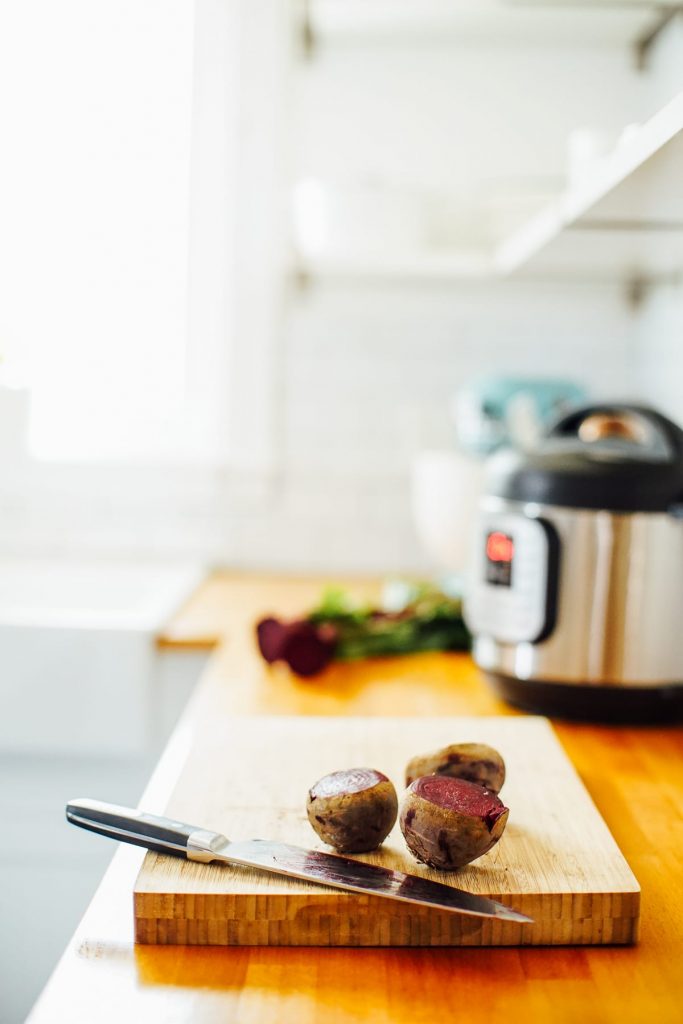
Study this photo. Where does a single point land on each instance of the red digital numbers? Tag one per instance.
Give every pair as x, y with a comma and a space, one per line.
499, 547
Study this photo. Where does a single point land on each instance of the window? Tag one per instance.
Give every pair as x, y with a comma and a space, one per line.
141, 226
95, 133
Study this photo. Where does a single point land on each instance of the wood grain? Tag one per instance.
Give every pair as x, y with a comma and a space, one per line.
634, 775
248, 778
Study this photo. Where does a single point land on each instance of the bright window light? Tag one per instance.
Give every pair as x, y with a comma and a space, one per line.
95, 120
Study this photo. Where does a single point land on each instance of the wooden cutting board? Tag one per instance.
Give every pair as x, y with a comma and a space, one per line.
248, 778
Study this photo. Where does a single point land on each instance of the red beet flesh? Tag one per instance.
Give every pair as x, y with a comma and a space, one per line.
349, 780
462, 796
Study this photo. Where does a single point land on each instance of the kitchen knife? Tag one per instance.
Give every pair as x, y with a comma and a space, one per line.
163, 835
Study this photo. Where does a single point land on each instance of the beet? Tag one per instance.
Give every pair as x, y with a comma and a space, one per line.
474, 762
305, 647
270, 634
448, 822
353, 810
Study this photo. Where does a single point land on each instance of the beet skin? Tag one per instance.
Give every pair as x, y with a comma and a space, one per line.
475, 762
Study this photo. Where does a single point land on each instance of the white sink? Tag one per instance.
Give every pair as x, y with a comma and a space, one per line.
86, 703
79, 668
107, 595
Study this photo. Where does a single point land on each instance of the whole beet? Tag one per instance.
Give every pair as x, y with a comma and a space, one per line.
270, 634
449, 822
305, 646
353, 810
475, 762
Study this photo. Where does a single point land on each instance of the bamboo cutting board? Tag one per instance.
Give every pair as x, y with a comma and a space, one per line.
248, 778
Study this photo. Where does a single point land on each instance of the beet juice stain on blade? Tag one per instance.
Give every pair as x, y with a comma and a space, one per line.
356, 876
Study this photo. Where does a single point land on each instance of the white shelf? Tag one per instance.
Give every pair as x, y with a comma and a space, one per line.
611, 22
625, 219
623, 222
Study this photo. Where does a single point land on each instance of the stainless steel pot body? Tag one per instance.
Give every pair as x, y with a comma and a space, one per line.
599, 602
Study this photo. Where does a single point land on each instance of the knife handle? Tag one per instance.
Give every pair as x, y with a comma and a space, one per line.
163, 835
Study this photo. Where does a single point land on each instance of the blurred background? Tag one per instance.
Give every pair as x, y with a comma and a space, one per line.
274, 278
251, 253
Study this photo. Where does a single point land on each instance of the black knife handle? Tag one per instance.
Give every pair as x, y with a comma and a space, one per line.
163, 835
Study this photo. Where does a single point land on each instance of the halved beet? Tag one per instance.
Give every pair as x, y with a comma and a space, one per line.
353, 810
449, 822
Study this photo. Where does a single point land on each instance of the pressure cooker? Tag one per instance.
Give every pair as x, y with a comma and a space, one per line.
575, 595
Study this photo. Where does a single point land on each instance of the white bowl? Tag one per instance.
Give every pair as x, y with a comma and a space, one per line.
446, 487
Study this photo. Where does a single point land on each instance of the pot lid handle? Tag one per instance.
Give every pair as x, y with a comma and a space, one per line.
634, 424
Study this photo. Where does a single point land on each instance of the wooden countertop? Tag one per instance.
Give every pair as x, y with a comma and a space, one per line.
634, 775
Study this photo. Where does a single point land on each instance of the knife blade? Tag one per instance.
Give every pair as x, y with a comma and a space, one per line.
164, 835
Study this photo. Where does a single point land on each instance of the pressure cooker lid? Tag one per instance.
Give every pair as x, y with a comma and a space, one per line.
623, 458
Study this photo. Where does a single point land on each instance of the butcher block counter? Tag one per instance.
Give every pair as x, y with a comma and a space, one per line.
635, 777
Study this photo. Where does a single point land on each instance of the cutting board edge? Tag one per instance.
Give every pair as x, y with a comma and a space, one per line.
171, 904
559, 919
329, 931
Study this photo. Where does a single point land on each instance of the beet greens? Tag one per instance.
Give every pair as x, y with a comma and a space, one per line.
338, 629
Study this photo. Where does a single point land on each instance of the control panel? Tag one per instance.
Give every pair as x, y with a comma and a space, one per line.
512, 594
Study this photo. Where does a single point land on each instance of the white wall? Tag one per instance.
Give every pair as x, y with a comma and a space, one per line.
659, 349
371, 371
367, 374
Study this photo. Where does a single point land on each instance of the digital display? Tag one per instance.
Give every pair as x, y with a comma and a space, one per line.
500, 550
